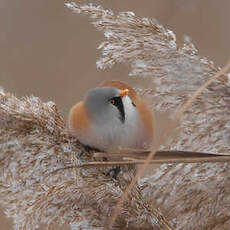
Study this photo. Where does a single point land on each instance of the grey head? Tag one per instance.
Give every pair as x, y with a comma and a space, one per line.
105, 104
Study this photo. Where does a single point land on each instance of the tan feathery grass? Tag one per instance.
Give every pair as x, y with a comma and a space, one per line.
35, 141
176, 72
162, 139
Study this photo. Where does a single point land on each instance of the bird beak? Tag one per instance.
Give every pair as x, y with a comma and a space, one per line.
124, 92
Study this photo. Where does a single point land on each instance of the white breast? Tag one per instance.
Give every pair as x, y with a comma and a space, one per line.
115, 135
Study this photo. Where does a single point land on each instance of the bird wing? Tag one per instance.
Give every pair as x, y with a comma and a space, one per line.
147, 117
78, 118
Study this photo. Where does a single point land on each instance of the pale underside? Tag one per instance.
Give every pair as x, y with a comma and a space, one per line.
115, 135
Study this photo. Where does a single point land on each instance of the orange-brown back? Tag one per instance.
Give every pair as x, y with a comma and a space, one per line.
78, 118
120, 85
147, 117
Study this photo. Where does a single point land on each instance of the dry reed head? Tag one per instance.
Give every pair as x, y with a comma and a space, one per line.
34, 142
176, 72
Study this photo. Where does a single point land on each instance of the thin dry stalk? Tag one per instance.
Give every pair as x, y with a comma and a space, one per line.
97, 164
162, 139
159, 155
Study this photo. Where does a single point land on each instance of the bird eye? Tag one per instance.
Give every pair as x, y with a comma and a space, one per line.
112, 101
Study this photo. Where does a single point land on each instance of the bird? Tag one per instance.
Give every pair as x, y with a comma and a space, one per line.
112, 117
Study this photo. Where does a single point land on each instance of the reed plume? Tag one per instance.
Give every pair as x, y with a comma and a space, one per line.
35, 143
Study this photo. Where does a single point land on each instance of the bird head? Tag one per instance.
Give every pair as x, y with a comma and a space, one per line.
106, 104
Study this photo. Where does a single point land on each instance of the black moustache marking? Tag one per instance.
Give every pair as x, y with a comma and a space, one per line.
119, 104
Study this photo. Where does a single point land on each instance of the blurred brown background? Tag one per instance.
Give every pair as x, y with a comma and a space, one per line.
48, 51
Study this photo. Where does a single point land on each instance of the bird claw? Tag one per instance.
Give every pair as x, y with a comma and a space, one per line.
90, 149
114, 172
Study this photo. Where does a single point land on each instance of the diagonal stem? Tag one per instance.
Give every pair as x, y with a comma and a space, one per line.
163, 137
